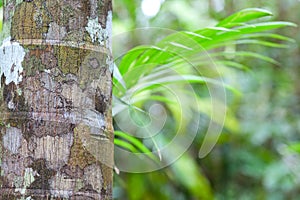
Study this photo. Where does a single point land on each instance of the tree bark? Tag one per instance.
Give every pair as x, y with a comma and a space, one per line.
55, 100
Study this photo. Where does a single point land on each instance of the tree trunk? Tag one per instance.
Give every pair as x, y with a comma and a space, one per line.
55, 101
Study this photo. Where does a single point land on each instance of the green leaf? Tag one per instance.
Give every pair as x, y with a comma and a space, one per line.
268, 36
134, 55
125, 145
180, 46
265, 26
175, 79
232, 64
261, 42
294, 147
188, 173
145, 97
245, 54
250, 41
244, 15
133, 144
189, 33
242, 32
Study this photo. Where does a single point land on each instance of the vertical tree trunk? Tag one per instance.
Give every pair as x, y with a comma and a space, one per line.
55, 100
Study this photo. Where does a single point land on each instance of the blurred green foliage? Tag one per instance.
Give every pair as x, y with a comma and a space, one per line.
257, 156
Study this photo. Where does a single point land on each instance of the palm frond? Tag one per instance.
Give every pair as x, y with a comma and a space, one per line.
176, 59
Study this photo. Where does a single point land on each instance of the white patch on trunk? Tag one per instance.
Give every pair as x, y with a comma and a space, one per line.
109, 30
27, 180
11, 105
55, 150
93, 176
96, 32
12, 56
63, 186
12, 139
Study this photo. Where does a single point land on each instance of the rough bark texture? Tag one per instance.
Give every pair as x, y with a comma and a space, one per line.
55, 100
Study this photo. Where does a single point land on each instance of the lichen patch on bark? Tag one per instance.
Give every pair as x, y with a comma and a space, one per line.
26, 180
12, 139
93, 176
97, 33
109, 29
55, 150
64, 185
12, 56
